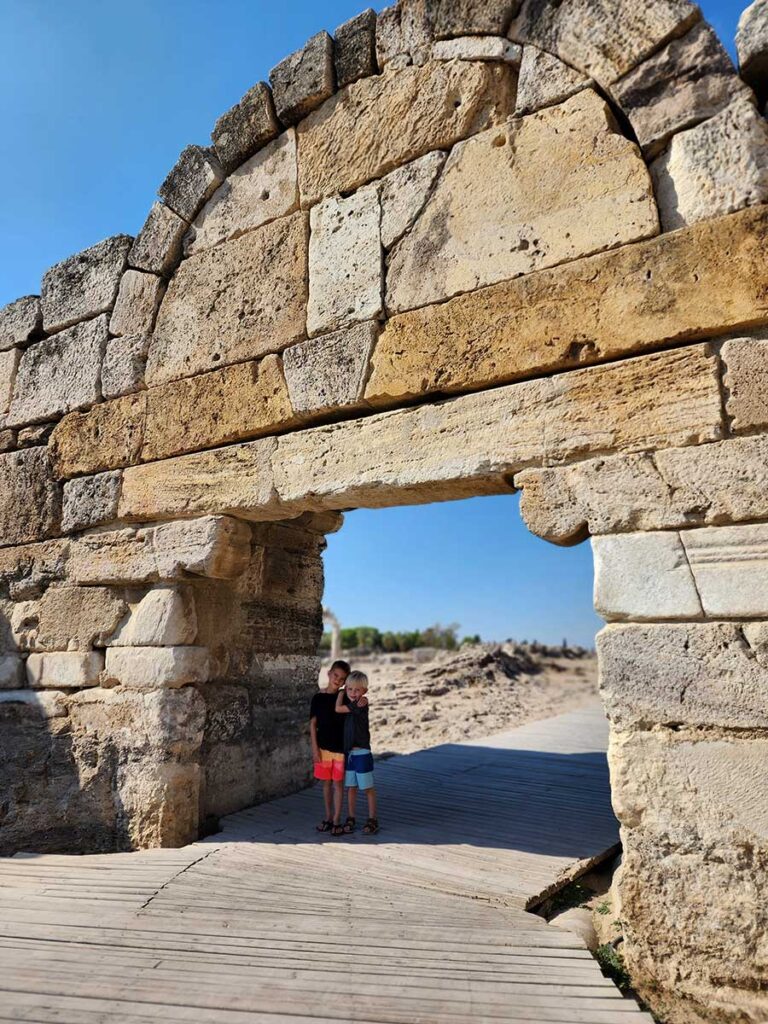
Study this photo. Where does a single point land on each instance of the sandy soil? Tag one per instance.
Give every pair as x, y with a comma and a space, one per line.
425, 697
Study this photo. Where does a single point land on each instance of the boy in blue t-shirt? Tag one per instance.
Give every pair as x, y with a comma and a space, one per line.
353, 703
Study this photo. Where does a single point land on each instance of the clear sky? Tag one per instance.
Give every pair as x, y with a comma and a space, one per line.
97, 98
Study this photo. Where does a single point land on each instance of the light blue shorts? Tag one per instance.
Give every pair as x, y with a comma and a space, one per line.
359, 769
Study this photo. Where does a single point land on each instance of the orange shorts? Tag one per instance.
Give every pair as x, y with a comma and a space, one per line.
330, 766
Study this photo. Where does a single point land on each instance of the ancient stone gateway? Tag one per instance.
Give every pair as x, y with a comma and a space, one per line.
459, 249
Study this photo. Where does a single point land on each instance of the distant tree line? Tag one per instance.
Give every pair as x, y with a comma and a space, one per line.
369, 638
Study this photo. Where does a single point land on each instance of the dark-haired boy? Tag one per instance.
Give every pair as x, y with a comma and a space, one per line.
326, 730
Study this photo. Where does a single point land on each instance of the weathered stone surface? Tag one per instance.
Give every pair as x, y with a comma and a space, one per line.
689, 80
708, 485
9, 362
7, 440
26, 571
65, 670
165, 617
246, 127
12, 672
644, 576
150, 668
382, 122
216, 547
138, 301
469, 17
752, 47
729, 566
59, 374
231, 404
191, 181
109, 436
67, 619
30, 497
746, 381
717, 167
47, 704
505, 177
236, 479
37, 434
264, 188
20, 322
125, 360
157, 247
468, 445
304, 80
331, 371
604, 39
346, 275
408, 27
403, 32
403, 194
478, 48
545, 81
90, 501
689, 284
354, 48
84, 285
241, 299
702, 674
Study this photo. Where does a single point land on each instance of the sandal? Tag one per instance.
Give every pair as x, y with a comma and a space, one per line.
324, 826
349, 826
371, 827
337, 830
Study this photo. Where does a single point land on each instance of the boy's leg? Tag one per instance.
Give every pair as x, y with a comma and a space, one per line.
338, 797
351, 800
371, 794
327, 797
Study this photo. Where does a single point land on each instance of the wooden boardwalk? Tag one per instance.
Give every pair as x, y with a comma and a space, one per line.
269, 921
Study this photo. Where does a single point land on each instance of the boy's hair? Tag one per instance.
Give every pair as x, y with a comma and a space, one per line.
357, 679
343, 665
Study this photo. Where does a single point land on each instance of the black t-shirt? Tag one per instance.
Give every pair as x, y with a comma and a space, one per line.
330, 725
356, 730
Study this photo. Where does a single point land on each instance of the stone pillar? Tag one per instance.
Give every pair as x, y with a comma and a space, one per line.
684, 677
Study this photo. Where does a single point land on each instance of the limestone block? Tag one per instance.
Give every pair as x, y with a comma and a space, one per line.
65, 670
246, 127
7, 440
730, 567
304, 80
215, 547
59, 374
165, 617
642, 576
717, 167
469, 17
746, 382
606, 39
30, 497
231, 404
548, 205
125, 360
689, 80
752, 47
354, 48
9, 362
149, 668
404, 192
478, 48
26, 570
12, 673
408, 27
706, 485
345, 262
138, 301
693, 283
545, 81
84, 285
264, 188
402, 30
331, 371
699, 674
90, 501
20, 322
109, 436
237, 479
191, 181
67, 618
382, 122
157, 247
46, 704
239, 300
32, 437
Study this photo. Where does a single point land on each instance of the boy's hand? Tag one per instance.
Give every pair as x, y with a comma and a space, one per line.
363, 702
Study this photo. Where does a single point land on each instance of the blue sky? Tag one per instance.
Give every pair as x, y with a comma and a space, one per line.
97, 98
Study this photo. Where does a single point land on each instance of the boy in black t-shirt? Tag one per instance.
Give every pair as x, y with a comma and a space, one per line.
353, 703
326, 731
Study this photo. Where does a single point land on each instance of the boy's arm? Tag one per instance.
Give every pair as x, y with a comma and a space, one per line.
313, 739
341, 707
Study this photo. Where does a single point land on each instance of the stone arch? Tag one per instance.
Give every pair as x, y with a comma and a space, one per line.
458, 249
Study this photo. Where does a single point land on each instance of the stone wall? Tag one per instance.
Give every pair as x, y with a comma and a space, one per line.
455, 249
